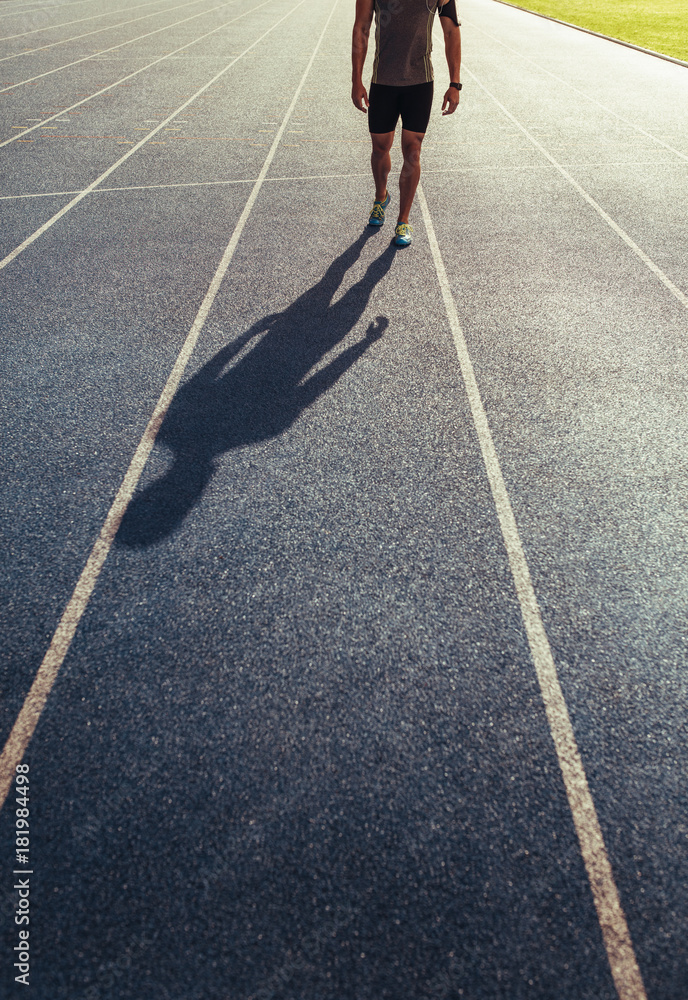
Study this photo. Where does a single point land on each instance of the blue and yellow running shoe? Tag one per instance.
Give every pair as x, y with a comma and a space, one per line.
377, 216
402, 234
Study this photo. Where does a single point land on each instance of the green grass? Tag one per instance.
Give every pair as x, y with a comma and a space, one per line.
661, 25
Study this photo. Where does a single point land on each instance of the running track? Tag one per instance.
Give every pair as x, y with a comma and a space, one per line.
344, 590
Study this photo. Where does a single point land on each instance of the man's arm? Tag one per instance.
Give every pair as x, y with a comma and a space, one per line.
452, 49
359, 48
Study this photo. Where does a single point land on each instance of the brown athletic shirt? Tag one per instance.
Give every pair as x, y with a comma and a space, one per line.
403, 40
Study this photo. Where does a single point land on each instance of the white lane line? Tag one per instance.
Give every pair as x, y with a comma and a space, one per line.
100, 52
301, 177
91, 17
33, 10
134, 149
581, 93
185, 184
98, 31
26, 10
122, 81
610, 914
31, 710
621, 233
317, 177
516, 168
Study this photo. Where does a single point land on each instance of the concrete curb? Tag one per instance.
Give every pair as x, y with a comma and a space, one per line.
598, 34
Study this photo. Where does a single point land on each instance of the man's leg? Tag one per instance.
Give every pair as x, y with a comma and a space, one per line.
410, 172
381, 161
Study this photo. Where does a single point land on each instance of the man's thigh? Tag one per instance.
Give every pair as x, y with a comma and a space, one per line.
383, 108
415, 105
382, 141
411, 142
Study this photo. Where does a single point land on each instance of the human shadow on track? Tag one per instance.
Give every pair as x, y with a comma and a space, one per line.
260, 396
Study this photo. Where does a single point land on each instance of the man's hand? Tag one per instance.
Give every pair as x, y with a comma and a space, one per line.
359, 47
359, 95
451, 101
452, 50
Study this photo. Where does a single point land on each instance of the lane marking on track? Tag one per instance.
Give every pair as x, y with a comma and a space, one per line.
98, 31
581, 93
546, 166
31, 710
120, 45
649, 263
122, 81
597, 34
610, 914
78, 20
302, 177
142, 142
33, 10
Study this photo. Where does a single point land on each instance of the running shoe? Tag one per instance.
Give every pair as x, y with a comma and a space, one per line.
377, 216
402, 234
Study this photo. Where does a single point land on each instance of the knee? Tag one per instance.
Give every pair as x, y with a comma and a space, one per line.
381, 147
411, 160
411, 151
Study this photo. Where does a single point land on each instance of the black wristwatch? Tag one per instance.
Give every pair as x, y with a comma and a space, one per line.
457, 85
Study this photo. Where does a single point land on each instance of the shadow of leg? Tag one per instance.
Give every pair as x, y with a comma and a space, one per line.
161, 508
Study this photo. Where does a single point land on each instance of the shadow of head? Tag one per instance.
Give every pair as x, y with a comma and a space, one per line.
254, 389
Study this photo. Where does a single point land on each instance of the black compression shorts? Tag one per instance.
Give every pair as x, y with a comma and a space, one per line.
387, 103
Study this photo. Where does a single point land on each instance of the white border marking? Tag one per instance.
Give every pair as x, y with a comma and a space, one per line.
134, 149
597, 34
610, 914
31, 710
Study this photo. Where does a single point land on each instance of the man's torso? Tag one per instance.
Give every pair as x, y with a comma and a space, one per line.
403, 42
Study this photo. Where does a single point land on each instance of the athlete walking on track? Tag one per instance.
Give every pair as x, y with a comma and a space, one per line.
402, 84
